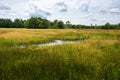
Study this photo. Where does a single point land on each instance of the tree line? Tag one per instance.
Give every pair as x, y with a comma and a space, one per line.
39, 23
8, 23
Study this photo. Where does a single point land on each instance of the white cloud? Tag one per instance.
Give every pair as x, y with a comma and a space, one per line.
35, 11
6, 10
61, 7
77, 11
4, 7
115, 10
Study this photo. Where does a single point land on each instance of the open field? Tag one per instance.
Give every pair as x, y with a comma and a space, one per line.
96, 57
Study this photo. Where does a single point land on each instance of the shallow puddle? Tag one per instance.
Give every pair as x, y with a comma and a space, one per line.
56, 42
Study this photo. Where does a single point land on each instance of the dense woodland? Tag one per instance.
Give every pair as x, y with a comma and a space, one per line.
39, 23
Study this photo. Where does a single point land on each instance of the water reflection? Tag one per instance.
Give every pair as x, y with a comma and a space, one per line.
56, 42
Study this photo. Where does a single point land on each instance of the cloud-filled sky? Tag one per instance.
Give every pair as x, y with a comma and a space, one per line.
76, 11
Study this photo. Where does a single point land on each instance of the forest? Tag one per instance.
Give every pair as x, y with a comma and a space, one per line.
39, 23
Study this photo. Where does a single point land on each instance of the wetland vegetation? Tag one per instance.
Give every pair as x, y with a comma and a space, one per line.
96, 57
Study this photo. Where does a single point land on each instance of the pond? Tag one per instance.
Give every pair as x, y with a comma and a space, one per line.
56, 42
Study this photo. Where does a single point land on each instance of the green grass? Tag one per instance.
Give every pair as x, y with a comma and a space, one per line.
96, 58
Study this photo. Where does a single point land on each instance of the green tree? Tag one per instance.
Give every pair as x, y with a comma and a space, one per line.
31, 23
107, 26
55, 24
61, 25
68, 24
44, 24
18, 23
119, 26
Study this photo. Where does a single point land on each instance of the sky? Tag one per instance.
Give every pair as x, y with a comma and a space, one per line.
84, 12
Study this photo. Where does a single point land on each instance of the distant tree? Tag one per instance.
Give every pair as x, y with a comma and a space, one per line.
37, 23
107, 26
5, 23
55, 24
31, 23
18, 23
8, 23
61, 25
95, 26
45, 24
119, 26
68, 24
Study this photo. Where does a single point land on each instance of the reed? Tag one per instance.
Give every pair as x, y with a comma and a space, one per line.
96, 58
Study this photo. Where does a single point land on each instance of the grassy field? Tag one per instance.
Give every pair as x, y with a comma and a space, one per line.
96, 57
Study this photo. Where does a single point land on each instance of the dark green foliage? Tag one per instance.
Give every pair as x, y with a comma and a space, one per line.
55, 25
39, 23
7, 23
106, 26
18, 23
31, 23
61, 25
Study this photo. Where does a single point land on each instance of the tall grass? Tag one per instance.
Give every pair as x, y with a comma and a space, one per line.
97, 58
30, 36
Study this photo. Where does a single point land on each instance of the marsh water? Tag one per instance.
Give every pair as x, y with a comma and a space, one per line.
56, 42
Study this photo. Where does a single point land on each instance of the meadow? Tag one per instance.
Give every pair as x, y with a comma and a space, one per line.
95, 57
